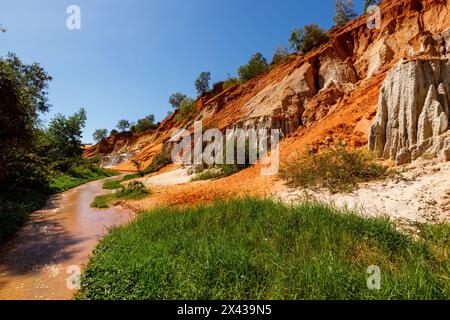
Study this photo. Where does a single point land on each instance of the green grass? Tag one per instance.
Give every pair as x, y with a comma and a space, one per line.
339, 169
15, 207
208, 174
134, 191
112, 185
78, 176
260, 249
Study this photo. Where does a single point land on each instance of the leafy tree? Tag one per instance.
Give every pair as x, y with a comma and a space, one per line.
202, 83
64, 134
309, 37
255, 66
123, 125
100, 134
145, 124
23, 97
368, 3
176, 99
114, 132
345, 12
281, 53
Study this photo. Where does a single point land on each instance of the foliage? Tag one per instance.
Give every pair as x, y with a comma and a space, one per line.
202, 83
112, 185
15, 207
100, 134
309, 37
64, 136
123, 125
134, 191
145, 124
23, 97
345, 12
78, 175
253, 249
176, 99
187, 111
337, 169
255, 66
231, 81
280, 55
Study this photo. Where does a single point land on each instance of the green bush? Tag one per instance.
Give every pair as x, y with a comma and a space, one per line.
112, 185
255, 66
337, 169
308, 38
15, 207
79, 175
230, 82
133, 191
187, 110
259, 249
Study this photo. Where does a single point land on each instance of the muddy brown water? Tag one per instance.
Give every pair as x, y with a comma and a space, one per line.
42, 259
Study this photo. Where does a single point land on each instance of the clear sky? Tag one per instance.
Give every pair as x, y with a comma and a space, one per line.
130, 55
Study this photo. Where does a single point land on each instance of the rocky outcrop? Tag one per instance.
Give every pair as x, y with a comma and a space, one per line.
413, 111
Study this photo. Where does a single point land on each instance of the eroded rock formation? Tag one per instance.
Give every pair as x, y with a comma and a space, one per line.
413, 111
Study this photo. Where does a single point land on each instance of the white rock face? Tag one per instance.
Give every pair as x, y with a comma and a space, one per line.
413, 111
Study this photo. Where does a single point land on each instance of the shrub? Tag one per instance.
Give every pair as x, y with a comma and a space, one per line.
176, 99
308, 38
338, 169
123, 125
258, 249
255, 66
133, 191
230, 82
112, 185
202, 83
100, 134
280, 55
187, 111
345, 12
145, 124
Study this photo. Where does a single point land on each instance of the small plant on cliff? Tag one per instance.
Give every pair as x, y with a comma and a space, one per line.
145, 124
177, 99
337, 169
202, 83
255, 66
280, 55
345, 12
187, 110
100, 134
123, 125
231, 81
309, 37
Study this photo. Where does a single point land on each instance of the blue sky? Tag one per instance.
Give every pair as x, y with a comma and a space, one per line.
130, 55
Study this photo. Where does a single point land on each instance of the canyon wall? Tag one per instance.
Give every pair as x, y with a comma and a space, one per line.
333, 92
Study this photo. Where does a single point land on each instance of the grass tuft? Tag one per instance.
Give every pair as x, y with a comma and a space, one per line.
337, 169
134, 191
